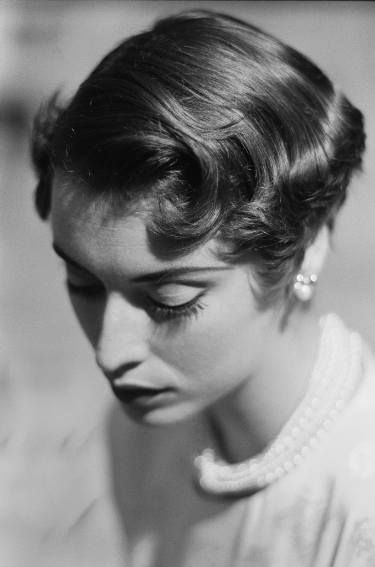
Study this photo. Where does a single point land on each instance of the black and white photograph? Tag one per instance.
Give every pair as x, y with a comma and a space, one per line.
187, 283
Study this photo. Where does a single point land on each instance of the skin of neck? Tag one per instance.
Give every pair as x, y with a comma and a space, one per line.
249, 418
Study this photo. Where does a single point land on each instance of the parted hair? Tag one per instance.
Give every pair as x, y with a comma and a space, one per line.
227, 131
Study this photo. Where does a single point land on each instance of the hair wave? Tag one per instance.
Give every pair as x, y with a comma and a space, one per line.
231, 133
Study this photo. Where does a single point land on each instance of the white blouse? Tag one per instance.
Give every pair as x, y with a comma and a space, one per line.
320, 514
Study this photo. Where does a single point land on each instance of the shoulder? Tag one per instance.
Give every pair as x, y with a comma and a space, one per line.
355, 432
340, 470
354, 441
327, 505
345, 460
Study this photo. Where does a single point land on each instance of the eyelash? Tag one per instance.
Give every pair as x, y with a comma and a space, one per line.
168, 313
159, 311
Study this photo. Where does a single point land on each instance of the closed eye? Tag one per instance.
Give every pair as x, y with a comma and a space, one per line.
160, 311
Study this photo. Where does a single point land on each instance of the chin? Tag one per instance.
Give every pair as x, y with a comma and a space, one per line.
162, 416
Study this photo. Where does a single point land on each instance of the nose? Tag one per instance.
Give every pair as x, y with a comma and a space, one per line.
122, 342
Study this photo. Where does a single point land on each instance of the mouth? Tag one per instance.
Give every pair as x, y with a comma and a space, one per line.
139, 395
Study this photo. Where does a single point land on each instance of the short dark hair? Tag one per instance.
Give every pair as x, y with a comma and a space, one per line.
230, 132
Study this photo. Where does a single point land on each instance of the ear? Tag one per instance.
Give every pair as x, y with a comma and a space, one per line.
316, 253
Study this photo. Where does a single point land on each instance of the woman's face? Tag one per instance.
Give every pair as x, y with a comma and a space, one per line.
173, 336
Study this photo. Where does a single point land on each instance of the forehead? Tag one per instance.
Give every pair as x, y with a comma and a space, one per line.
95, 231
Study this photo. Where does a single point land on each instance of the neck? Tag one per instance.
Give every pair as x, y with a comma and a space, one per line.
248, 419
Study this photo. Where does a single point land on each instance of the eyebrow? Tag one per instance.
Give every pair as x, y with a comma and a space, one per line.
152, 277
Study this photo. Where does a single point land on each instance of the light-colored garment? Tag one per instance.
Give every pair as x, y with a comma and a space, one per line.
321, 514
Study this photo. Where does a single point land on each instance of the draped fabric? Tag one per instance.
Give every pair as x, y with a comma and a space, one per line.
117, 494
321, 514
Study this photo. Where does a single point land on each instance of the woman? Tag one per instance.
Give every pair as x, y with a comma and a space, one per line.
192, 184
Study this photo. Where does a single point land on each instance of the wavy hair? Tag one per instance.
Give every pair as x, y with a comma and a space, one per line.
229, 132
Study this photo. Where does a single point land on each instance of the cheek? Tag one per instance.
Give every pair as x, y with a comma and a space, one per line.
222, 343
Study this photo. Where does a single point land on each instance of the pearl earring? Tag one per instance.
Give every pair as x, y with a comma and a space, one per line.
304, 286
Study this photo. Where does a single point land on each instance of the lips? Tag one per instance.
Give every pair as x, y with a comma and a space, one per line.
130, 394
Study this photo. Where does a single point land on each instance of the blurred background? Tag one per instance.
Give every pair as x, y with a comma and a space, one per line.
56, 504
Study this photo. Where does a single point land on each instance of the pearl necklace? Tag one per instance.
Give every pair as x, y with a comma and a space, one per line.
331, 386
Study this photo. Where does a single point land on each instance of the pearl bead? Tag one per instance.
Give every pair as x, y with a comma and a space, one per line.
297, 459
304, 450
328, 393
295, 431
269, 477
